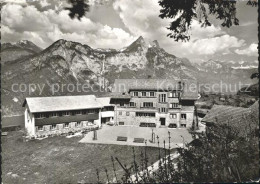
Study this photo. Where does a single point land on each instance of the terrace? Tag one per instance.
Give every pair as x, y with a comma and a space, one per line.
110, 134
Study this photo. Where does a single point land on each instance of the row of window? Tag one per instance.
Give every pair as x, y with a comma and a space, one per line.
144, 93
145, 114
153, 125
54, 127
174, 116
152, 94
65, 113
151, 104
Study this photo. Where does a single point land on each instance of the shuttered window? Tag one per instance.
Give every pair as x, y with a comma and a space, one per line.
147, 104
162, 98
173, 116
183, 116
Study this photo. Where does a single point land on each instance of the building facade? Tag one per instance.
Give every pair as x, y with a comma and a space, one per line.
107, 111
155, 103
57, 115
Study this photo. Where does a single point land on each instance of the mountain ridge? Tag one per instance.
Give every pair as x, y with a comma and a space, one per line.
68, 62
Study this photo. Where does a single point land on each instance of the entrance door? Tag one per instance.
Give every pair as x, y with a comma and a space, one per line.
103, 120
162, 120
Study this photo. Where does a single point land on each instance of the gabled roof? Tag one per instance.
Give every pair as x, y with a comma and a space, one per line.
225, 114
244, 119
126, 85
61, 103
105, 101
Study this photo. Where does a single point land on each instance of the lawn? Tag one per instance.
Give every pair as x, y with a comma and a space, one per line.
62, 160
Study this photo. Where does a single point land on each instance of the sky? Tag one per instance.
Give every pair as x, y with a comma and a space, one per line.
117, 23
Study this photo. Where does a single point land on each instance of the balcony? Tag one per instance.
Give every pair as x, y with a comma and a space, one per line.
147, 107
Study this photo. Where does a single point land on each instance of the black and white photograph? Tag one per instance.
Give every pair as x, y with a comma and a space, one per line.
129, 91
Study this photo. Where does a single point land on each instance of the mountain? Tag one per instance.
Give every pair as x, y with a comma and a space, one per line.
225, 66
65, 64
18, 50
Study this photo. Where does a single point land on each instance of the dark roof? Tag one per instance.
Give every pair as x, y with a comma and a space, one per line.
224, 114
245, 119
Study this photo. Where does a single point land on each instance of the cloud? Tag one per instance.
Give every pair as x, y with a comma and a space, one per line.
209, 46
44, 27
142, 18
22, 19
249, 51
45, 21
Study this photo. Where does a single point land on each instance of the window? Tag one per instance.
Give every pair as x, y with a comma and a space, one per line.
162, 98
143, 114
163, 109
173, 116
183, 116
152, 94
135, 93
92, 111
40, 115
121, 123
183, 125
77, 112
132, 104
66, 113
40, 128
120, 113
78, 124
53, 127
174, 105
66, 125
127, 113
121, 104
143, 93
54, 114
148, 104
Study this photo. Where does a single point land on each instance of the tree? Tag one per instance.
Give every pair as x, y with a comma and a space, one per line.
78, 9
184, 11
254, 75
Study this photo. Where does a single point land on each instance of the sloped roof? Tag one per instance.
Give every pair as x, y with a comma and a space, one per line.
105, 101
244, 119
126, 85
225, 114
61, 103
255, 109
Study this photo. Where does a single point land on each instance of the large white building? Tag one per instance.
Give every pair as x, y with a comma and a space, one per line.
61, 114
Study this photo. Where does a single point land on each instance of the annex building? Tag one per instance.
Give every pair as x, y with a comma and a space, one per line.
133, 102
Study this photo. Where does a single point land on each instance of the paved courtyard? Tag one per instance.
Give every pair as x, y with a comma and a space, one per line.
109, 134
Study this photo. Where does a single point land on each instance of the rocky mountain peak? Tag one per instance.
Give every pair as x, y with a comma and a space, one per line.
137, 45
156, 44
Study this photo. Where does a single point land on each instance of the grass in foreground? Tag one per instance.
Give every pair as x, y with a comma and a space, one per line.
62, 160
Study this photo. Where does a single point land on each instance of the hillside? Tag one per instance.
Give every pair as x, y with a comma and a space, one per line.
21, 49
